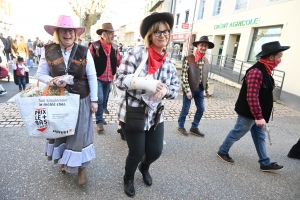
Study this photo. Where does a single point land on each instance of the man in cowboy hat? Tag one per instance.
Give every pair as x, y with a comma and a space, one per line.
254, 105
194, 79
106, 58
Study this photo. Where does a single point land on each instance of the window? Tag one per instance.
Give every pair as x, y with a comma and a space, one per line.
241, 4
186, 16
261, 36
177, 18
201, 9
217, 8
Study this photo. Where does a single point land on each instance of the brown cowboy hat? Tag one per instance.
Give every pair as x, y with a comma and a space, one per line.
271, 48
204, 39
155, 17
105, 27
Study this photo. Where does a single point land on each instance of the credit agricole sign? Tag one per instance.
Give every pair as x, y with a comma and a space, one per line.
238, 23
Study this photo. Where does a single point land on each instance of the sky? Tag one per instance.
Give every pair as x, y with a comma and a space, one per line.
30, 16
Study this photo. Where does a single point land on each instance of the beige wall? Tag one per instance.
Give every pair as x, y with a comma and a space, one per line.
285, 13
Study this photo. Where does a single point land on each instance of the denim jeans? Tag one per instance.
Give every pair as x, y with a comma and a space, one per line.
198, 96
242, 126
103, 91
21, 82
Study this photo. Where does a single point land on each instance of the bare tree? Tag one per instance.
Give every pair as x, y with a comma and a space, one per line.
89, 12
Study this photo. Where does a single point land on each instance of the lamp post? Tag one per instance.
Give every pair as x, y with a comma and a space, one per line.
190, 35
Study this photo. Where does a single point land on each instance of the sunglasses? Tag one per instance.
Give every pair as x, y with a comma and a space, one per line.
164, 32
64, 31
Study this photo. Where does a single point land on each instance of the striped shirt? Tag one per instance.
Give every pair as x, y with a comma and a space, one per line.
125, 72
254, 80
185, 76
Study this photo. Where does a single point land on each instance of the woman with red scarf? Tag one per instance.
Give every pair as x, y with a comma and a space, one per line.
254, 106
147, 76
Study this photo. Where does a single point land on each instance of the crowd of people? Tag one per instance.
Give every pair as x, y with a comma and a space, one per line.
147, 76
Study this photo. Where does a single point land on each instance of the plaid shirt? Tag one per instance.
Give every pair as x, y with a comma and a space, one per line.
107, 76
168, 76
185, 76
254, 80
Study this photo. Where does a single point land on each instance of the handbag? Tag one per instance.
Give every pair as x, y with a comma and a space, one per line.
49, 116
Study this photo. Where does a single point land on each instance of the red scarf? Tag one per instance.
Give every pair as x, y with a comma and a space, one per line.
269, 64
198, 56
155, 60
105, 46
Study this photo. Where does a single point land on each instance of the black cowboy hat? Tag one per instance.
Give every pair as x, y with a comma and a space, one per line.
20, 59
271, 48
204, 39
155, 17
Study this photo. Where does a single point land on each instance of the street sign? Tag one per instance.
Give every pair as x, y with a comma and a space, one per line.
185, 26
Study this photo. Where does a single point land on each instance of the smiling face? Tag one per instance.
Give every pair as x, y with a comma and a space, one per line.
108, 36
160, 38
66, 36
202, 47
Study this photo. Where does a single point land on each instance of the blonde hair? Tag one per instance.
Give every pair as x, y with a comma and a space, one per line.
56, 38
152, 28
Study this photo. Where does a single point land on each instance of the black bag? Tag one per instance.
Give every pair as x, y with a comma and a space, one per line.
135, 117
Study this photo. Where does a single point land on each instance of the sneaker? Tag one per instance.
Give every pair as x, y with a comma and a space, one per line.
182, 131
271, 167
3, 92
225, 157
106, 111
195, 131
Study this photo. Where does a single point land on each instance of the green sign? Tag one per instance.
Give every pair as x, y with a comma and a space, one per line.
239, 23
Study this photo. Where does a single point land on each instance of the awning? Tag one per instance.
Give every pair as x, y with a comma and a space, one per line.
156, 5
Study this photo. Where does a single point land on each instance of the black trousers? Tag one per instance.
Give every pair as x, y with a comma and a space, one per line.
145, 147
295, 150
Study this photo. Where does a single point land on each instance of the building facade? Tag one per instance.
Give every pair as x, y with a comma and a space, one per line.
239, 28
6, 22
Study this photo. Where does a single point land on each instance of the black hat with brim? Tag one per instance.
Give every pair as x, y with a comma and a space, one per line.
155, 17
20, 59
270, 48
204, 39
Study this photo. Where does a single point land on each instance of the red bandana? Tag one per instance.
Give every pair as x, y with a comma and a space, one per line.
105, 46
269, 64
155, 60
198, 56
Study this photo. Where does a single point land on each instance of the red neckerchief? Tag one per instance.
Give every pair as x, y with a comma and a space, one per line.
106, 47
269, 64
198, 56
155, 60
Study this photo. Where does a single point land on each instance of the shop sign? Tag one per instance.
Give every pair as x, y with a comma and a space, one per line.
179, 36
238, 23
185, 26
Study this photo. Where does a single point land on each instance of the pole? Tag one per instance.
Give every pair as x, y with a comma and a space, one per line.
189, 39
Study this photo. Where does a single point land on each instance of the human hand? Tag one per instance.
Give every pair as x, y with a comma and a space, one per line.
160, 87
94, 107
189, 95
58, 82
261, 123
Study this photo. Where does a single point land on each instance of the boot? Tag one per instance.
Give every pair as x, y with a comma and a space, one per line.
82, 178
62, 168
100, 128
128, 185
145, 173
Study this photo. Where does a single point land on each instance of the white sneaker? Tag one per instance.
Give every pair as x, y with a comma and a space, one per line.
3, 92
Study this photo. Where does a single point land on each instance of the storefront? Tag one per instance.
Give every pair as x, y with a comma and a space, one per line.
178, 45
242, 34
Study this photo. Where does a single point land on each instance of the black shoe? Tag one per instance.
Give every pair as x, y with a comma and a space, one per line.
106, 111
195, 131
128, 186
291, 155
225, 157
182, 131
145, 173
3, 92
271, 167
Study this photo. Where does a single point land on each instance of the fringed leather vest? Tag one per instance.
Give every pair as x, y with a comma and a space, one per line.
77, 68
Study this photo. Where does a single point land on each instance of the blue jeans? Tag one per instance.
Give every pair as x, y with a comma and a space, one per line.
199, 102
21, 82
242, 126
103, 91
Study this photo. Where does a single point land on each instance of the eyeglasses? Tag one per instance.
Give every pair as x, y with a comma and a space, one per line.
164, 32
64, 31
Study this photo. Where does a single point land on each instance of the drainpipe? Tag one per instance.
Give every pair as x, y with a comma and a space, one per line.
189, 40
